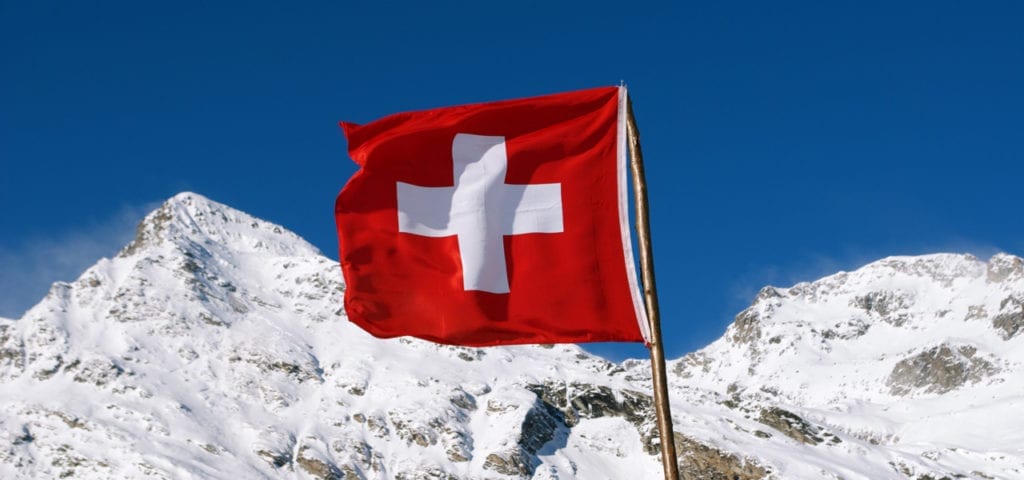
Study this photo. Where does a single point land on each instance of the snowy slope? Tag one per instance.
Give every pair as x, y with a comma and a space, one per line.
913, 363
214, 346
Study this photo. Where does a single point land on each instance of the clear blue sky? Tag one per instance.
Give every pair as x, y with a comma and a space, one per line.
783, 140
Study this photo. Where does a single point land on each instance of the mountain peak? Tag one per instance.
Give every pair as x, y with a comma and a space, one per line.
946, 268
941, 267
1003, 267
190, 218
217, 340
215, 346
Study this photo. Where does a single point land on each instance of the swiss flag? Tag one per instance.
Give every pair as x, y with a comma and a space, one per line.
493, 224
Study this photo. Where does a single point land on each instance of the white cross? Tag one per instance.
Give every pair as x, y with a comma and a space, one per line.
480, 209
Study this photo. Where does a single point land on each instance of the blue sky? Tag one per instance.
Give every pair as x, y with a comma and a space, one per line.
783, 140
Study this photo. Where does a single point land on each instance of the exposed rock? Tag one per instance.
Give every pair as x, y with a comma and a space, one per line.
365, 461
767, 293
299, 370
1010, 321
746, 328
850, 329
457, 450
509, 463
888, 305
691, 363
316, 467
350, 473
66, 460
412, 432
498, 406
378, 426
69, 420
466, 353
791, 425
149, 230
96, 371
578, 401
939, 370
275, 458
940, 268
462, 399
698, 461
1002, 266
975, 312
427, 474
538, 428
12, 352
564, 406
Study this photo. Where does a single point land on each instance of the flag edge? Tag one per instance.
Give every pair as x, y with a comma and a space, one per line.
627, 242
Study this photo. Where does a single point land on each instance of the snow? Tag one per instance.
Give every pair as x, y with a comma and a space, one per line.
810, 358
214, 346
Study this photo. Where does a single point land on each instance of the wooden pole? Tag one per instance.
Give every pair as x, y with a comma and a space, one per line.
643, 227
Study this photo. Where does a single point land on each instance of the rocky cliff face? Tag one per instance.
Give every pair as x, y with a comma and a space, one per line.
214, 346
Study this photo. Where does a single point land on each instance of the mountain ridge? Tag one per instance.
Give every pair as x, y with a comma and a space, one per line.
214, 346
923, 331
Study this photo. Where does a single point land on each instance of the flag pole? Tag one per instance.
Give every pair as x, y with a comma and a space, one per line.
661, 406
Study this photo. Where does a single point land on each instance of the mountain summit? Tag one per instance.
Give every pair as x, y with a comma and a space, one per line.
189, 218
214, 346
909, 367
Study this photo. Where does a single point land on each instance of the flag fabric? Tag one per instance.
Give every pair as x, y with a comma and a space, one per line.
493, 224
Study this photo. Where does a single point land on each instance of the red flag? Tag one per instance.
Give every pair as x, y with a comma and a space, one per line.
492, 224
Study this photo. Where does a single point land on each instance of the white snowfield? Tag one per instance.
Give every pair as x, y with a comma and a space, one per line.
214, 346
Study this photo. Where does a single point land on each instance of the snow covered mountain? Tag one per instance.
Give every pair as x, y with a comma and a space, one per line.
910, 367
214, 346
